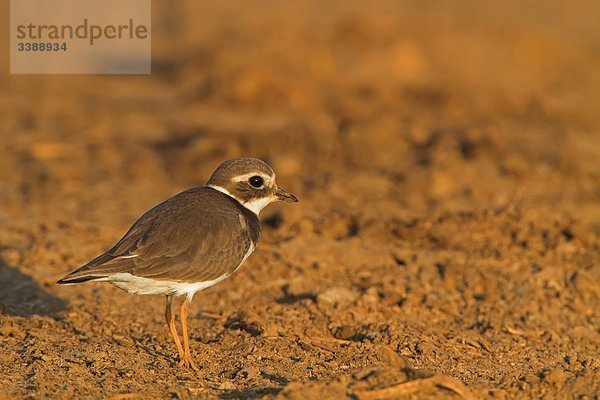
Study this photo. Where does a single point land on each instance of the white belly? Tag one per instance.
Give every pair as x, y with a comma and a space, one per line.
142, 286
146, 286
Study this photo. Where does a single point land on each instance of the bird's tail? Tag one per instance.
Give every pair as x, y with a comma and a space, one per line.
69, 281
99, 268
80, 275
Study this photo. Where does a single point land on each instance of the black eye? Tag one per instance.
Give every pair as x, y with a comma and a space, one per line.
256, 181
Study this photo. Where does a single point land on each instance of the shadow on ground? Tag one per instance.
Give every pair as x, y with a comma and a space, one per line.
21, 295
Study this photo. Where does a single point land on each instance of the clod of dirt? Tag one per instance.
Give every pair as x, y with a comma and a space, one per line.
337, 296
238, 322
390, 357
345, 332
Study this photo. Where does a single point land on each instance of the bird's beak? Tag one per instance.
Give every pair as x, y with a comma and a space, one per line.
285, 196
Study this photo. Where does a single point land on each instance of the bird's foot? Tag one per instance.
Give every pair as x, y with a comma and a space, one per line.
187, 362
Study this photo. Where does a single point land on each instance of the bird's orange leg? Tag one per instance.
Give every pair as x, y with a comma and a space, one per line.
171, 324
186, 360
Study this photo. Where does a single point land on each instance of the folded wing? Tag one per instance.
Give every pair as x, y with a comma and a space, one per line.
192, 237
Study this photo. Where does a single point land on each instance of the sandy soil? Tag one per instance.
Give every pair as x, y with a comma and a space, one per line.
447, 241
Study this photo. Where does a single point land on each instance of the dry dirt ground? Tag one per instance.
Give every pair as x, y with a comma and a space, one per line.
446, 244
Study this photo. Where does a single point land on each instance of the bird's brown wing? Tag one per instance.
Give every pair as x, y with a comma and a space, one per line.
195, 236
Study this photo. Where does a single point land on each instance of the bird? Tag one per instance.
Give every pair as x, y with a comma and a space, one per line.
190, 241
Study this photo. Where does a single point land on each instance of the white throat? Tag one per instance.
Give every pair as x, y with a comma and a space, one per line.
255, 205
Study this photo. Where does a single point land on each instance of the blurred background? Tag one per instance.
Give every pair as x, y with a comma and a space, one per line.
446, 156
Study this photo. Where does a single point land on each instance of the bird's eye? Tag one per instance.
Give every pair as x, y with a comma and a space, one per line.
256, 181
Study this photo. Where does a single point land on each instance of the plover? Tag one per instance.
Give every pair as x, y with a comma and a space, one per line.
191, 241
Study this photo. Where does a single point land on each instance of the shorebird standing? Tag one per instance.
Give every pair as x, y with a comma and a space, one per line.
191, 241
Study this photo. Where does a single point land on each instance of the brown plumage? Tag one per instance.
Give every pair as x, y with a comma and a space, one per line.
191, 241
158, 245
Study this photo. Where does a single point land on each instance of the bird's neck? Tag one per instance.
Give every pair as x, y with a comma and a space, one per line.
255, 205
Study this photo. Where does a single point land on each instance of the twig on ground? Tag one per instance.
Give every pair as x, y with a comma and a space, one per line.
413, 386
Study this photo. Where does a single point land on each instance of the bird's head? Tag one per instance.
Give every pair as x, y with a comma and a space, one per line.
250, 181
